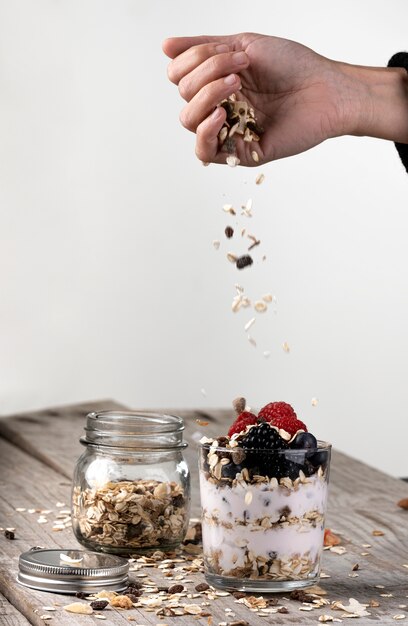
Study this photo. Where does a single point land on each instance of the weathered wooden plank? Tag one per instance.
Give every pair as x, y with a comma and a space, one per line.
27, 483
52, 435
361, 499
9, 615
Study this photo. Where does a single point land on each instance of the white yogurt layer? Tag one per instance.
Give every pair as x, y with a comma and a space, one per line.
232, 521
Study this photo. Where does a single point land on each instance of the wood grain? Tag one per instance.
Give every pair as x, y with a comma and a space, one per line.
9, 616
34, 472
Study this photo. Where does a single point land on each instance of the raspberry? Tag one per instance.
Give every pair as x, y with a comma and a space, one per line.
243, 420
282, 415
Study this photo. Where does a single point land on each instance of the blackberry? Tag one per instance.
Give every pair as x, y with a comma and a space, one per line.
263, 437
259, 443
291, 469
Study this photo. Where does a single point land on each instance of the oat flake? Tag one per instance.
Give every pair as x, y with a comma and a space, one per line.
232, 160
260, 306
249, 324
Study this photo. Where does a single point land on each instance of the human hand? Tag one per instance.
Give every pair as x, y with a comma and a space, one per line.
295, 92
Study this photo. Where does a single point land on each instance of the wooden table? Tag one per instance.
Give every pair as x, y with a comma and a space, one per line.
38, 452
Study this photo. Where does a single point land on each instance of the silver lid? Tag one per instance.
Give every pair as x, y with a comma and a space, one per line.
69, 571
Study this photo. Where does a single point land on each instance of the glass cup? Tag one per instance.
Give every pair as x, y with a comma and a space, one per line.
263, 515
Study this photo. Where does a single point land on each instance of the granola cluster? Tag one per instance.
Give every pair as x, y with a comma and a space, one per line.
131, 514
241, 121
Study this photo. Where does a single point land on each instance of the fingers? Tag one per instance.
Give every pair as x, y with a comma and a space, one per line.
174, 46
186, 62
211, 70
207, 99
207, 137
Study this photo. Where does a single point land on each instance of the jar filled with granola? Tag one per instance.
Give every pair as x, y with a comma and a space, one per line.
131, 486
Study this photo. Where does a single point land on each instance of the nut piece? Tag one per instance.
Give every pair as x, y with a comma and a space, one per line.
123, 602
403, 503
255, 156
239, 405
79, 607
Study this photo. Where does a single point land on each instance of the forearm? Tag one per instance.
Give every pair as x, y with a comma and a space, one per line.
375, 102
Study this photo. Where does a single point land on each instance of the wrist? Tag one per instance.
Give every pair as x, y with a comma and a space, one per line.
374, 102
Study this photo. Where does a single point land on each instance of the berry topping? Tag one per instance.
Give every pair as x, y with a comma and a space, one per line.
263, 437
243, 420
282, 415
304, 440
267, 439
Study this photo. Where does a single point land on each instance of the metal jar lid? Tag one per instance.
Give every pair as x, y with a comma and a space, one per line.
69, 571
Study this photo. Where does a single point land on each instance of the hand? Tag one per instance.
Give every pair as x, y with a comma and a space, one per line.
293, 90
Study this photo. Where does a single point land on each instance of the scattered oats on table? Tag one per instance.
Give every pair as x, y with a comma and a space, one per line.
78, 607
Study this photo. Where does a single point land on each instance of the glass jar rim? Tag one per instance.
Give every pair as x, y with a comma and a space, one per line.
322, 446
134, 429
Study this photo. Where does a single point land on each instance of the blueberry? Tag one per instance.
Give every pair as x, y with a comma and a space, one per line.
230, 470
319, 458
304, 440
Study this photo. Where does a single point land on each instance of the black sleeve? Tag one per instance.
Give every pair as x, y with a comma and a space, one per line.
400, 59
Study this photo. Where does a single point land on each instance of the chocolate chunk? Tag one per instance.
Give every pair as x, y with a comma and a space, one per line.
229, 232
9, 534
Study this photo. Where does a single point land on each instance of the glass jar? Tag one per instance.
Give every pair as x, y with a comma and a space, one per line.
131, 486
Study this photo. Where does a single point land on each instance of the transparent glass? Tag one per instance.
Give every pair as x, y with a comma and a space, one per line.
263, 515
131, 486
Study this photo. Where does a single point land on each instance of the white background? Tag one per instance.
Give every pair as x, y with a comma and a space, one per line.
110, 285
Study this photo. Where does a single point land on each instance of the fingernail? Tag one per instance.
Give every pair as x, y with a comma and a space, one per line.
222, 47
240, 58
230, 80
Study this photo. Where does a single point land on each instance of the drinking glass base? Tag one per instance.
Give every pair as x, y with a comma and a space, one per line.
258, 586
